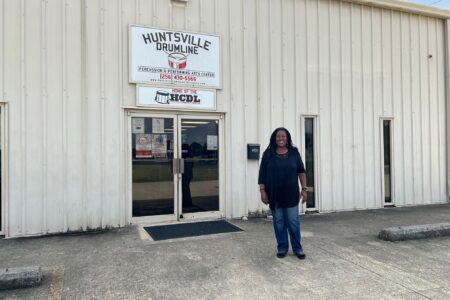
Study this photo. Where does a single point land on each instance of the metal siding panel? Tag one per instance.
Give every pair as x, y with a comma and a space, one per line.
238, 172
276, 70
74, 157
263, 76
161, 13
128, 17
424, 110
288, 68
370, 200
323, 136
207, 20
54, 114
406, 141
398, 181
33, 102
434, 114
377, 82
193, 13
441, 87
386, 34
94, 113
223, 95
178, 19
12, 94
357, 102
313, 56
415, 102
335, 122
347, 118
250, 66
113, 112
2, 53
144, 11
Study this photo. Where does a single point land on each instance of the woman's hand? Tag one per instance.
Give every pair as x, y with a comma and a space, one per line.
264, 197
304, 196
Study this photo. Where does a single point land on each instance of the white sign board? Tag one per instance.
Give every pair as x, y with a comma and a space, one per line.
179, 97
163, 56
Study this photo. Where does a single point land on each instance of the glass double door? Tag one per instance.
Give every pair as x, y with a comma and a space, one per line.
175, 166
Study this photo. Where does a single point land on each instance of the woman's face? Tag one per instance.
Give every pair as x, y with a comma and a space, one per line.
281, 138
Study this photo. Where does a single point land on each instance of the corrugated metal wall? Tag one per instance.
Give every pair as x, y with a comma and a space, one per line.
65, 76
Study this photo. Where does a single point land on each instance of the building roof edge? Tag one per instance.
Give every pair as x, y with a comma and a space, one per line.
404, 6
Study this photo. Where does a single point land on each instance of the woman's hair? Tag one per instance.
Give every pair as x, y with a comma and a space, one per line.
273, 141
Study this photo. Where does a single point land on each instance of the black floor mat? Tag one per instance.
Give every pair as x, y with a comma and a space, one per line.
166, 232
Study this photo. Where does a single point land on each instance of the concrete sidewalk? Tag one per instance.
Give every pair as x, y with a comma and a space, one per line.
345, 260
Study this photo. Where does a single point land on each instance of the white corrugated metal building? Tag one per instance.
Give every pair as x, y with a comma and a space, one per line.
362, 85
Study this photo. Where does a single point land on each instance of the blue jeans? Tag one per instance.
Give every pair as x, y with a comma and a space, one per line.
287, 220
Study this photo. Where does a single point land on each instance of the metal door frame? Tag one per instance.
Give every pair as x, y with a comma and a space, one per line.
317, 203
175, 217
208, 214
391, 150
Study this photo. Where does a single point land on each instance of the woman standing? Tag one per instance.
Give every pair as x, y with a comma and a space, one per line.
280, 169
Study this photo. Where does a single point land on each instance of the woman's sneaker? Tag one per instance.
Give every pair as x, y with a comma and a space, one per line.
300, 255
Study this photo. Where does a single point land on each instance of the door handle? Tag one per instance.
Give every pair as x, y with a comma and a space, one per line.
175, 166
181, 170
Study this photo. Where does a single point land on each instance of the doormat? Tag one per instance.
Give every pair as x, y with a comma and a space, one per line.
167, 232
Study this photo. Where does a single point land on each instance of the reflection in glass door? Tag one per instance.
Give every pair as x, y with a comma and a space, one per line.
153, 187
199, 140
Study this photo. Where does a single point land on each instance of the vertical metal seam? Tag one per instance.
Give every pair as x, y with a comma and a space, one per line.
44, 125
283, 68
307, 57
363, 99
258, 70
429, 111
438, 105
353, 110
64, 109
244, 102
231, 96
122, 204
23, 123
420, 114
270, 62
103, 108
330, 97
383, 76
341, 98
373, 114
402, 101
392, 112
412, 110
84, 106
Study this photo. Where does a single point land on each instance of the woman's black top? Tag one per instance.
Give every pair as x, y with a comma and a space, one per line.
279, 174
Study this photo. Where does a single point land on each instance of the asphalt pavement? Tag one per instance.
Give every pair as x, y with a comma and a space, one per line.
345, 260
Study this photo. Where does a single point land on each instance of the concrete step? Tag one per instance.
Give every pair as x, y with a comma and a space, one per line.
415, 232
15, 278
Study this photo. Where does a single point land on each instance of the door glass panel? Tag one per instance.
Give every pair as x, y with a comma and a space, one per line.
200, 151
387, 160
152, 156
309, 161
